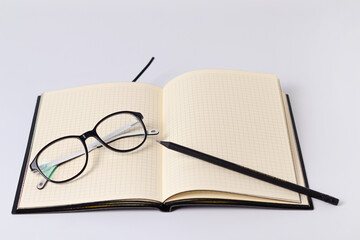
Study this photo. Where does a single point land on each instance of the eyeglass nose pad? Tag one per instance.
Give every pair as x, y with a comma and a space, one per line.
153, 132
42, 184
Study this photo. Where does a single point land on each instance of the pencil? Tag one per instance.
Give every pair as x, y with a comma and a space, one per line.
250, 172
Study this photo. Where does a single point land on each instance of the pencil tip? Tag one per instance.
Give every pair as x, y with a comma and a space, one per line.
164, 143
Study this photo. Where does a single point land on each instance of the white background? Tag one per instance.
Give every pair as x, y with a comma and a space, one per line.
313, 47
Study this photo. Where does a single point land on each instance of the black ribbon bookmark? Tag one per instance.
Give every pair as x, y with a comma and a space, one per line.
250, 172
144, 69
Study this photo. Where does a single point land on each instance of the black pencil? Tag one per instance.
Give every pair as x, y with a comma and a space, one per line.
250, 172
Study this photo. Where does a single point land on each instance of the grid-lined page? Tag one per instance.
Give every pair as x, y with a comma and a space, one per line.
227, 195
109, 175
234, 115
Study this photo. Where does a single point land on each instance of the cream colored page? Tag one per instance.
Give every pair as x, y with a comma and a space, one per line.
109, 175
226, 195
237, 116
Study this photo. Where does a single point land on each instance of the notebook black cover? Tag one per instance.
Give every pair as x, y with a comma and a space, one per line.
167, 207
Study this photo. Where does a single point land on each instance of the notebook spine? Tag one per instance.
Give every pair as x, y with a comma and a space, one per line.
165, 207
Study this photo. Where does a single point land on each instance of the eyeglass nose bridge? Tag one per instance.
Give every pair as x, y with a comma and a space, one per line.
88, 134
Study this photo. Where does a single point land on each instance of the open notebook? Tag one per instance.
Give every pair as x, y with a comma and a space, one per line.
238, 116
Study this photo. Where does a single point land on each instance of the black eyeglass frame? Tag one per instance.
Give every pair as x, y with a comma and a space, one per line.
92, 133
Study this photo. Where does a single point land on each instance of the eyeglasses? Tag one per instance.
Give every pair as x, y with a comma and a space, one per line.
66, 158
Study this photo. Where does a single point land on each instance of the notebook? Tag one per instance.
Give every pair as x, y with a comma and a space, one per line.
242, 117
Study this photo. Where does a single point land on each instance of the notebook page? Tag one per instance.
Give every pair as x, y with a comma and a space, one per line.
237, 116
109, 175
227, 195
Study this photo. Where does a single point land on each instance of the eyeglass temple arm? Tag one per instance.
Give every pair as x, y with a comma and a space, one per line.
108, 138
90, 147
116, 132
51, 168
